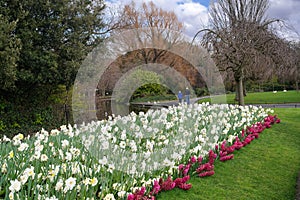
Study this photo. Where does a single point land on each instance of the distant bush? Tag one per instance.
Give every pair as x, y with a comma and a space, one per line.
201, 92
266, 87
26, 116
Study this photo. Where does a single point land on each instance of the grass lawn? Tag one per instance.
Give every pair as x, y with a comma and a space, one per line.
263, 98
265, 169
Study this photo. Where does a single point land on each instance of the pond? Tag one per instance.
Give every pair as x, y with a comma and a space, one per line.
107, 107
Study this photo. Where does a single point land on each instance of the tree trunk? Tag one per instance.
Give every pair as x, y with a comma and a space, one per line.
236, 98
244, 89
297, 86
241, 92
66, 109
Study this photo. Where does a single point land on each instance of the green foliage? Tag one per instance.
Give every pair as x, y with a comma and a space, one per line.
38, 119
41, 111
55, 37
151, 89
9, 53
60, 94
201, 92
268, 86
2, 126
24, 121
140, 83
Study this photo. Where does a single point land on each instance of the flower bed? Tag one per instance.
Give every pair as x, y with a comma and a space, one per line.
131, 157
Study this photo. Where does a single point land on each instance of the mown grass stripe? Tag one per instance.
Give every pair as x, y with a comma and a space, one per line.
261, 98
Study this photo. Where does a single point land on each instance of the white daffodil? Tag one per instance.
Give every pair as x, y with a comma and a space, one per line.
44, 157
38, 146
70, 183
105, 145
59, 185
121, 194
15, 186
122, 145
68, 156
20, 136
109, 197
6, 139
54, 132
23, 179
111, 167
11, 196
51, 198
4, 168
86, 181
64, 143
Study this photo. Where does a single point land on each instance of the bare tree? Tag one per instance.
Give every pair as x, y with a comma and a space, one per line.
148, 15
146, 35
297, 65
239, 33
292, 67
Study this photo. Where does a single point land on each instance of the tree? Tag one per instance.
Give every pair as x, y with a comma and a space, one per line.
297, 65
153, 25
239, 33
55, 37
149, 82
148, 15
9, 53
153, 37
291, 70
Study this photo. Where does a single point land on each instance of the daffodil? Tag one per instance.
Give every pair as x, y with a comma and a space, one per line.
15, 185
11, 154
93, 181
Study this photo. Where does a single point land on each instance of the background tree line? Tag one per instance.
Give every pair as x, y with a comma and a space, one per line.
42, 44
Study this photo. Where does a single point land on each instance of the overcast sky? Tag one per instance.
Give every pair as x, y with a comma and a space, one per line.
194, 13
